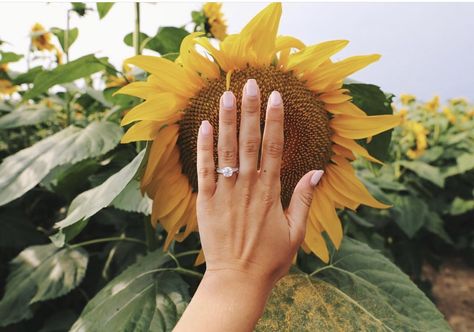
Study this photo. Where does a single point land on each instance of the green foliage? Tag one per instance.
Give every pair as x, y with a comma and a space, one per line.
143, 298
90, 202
25, 169
103, 8
40, 273
167, 40
7, 57
72, 36
359, 290
80, 68
26, 116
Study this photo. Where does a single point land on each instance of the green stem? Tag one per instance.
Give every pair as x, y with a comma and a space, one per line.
136, 32
107, 239
150, 236
66, 35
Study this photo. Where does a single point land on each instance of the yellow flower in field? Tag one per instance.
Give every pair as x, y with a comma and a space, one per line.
449, 115
3, 67
321, 122
407, 99
215, 22
420, 136
41, 39
433, 104
459, 101
7, 88
119, 81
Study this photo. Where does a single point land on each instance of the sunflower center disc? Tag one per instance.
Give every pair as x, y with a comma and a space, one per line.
307, 135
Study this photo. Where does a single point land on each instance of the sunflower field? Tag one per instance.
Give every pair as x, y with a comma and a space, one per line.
98, 180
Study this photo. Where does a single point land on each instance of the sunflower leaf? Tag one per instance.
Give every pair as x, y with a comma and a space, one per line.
92, 201
82, 67
26, 116
139, 299
373, 101
40, 273
61, 33
360, 290
132, 200
26, 168
6, 57
103, 8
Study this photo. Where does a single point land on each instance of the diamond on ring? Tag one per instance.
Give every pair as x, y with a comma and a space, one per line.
227, 171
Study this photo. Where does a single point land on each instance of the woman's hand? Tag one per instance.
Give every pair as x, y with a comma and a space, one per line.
248, 240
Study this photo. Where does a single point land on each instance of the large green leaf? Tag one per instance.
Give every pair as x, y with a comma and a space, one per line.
373, 101
82, 67
26, 116
360, 290
167, 40
28, 77
103, 8
6, 57
410, 213
132, 200
139, 299
61, 33
425, 171
40, 273
25, 169
92, 201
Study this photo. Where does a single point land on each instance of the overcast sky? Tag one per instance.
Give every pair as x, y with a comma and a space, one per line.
427, 48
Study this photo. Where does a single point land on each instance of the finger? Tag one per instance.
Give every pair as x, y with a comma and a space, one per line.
249, 138
272, 144
298, 209
205, 161
227, 143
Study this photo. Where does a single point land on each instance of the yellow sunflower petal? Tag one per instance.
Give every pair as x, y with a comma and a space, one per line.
340, 70
336, 196
175, 228
194, 61
165, 137
314, 241
167, 166
348, 185
200, 258
335, 98
148, 130
345, 108
354, 147
259, 34
342, 151
221, 58
169, 194
171, 219
324, 211
356, 127
313, 56
191, 221
158, 108
168, 75
284, 44
142, 90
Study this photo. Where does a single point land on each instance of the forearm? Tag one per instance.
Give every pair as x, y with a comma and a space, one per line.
225, 302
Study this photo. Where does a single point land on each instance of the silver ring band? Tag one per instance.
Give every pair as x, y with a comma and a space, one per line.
227, 171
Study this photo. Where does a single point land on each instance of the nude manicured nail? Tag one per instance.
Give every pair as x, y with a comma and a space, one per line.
316, 177
275, 99
206, 127
228, 100
251, 88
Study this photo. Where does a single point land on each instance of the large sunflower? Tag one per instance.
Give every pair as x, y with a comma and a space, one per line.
321, 122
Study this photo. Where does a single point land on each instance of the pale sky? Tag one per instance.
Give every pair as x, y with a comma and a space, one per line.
427, 48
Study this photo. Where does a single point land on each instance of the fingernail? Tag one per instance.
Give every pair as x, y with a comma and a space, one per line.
275, 99
316, 177
206, 127
228, 100
251, 88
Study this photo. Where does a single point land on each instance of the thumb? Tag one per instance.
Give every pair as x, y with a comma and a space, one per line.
298, 209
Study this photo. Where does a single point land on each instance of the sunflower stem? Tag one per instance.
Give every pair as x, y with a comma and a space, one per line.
150, 237
66, 35
106, 239
136, 32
